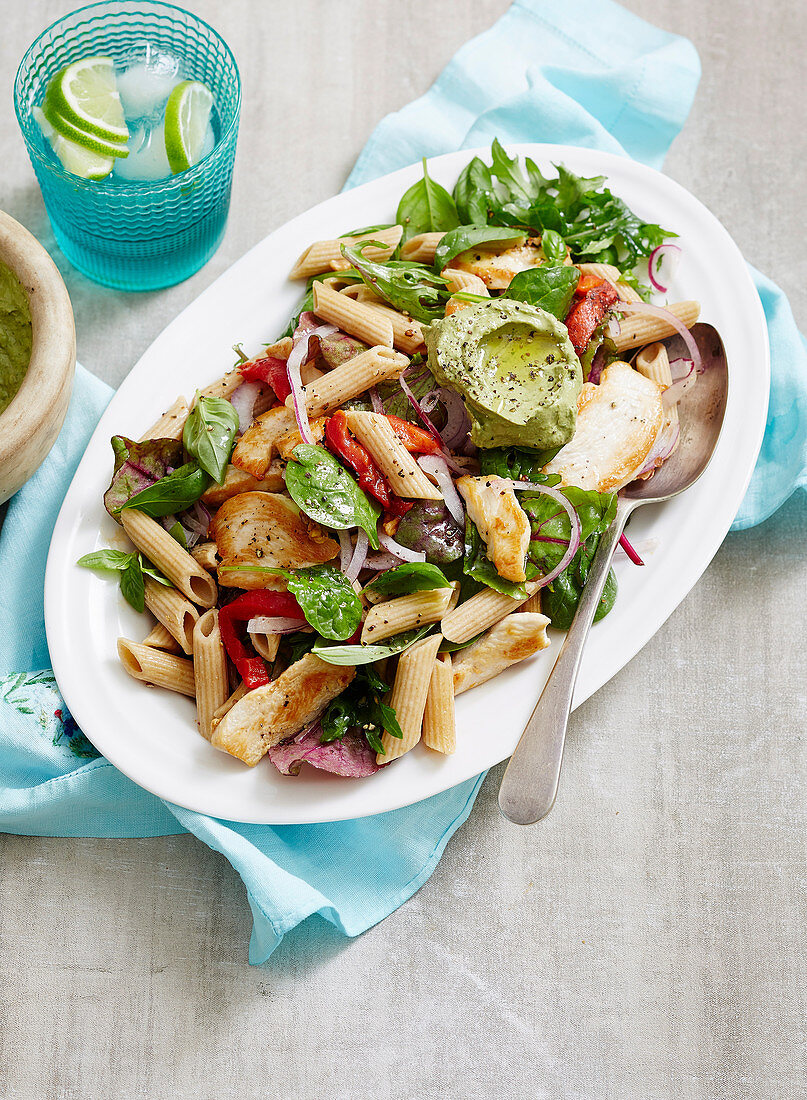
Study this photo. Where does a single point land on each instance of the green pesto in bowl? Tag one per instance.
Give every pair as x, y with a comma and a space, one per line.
15, 335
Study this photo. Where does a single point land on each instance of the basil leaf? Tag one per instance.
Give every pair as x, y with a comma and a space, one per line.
328, 601
366, 229
479, 567
177, 532
367, 654
415, 576
553, 246
464, 237
115, 560
209, 435
138, 465
473, 193
326, 492
132, 585
408, 286
173, 493
149, 571
550, 287
426, 208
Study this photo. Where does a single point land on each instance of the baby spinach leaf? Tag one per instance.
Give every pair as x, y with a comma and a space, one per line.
473, 193
426, 208
367, 654
560, 599
209, 435
138, 465
550, 527
360, 708
410, 287
326, 492
553, 247
518, 463
328, 600
414, 576
173, 493
478, 566
366, 229
473, 236
507, 171
155, 574
177, 532
550, 287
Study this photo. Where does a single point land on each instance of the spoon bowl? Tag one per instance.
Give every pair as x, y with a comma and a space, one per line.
530, 782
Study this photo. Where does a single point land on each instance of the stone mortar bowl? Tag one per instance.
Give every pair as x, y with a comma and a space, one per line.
30, 424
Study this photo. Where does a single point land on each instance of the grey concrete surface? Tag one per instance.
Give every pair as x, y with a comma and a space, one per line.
646, 942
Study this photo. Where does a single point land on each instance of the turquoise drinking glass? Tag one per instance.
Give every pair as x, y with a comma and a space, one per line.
133, 234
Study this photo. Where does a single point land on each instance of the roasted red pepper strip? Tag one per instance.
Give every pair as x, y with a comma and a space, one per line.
586, 283
270, 370
342, 443
416, 440
587, 313
251, 669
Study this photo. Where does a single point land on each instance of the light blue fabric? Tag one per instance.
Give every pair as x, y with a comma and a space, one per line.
586, 73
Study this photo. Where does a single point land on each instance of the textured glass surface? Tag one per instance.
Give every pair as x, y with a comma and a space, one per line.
135, 235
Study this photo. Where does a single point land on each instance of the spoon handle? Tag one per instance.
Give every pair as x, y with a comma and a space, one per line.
530, 782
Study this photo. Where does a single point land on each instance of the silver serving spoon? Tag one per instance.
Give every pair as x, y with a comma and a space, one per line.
530, 783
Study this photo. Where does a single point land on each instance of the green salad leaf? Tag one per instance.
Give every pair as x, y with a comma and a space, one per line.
209, 435
553, 247
518, 463
550, 287
560, 599
472, 236
130, 569
138, 465
413, 576
473, 193
325, 491
360, 707
408, 286
368, 654
426, 208
328, 600
173, 493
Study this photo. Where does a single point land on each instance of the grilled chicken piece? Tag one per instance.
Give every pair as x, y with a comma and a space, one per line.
253, 451
617, 425
496, 266
500, 520
513, 639
290, 703
267, 529
238, 481
286, 443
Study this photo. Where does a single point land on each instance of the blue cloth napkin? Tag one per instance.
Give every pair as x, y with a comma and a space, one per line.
587, 73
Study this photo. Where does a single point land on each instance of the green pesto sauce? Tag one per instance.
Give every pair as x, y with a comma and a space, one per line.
15, 335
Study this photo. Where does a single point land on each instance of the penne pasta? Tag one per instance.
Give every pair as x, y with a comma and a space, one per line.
638, 329
169, 607
405, 613
613, 276
265, 645
210, 671
513, 639
237, 695
171, 424
224, 387
465, 280
156, 667
421, 248
407, 334
160, 638
481, 611
356, 318
323, 255
178, 566
654, 363
408, 697
351, 379
439, 722
374, 431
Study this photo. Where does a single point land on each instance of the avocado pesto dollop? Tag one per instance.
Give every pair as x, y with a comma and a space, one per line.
15, 335
516, 369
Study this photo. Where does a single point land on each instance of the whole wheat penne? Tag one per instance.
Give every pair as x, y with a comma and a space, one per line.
356, 318
637, 329
481, 611
223, 386
465, 280
439, 722
156, 667
405, 613
358, 374
206, 555
407, 334
171, 424
421, 248
169, 607
374, 431
281, 349
408, 697
178, 566
613, 276
238, 694
210, 670
266, 645
513, 639
160, 638
654, 363
322, 255
533, 603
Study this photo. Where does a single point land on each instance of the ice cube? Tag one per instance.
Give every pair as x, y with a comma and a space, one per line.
145, 80
147, 159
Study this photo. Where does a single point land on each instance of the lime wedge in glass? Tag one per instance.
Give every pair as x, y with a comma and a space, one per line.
75, 158
91, 142
85, 94
187, 116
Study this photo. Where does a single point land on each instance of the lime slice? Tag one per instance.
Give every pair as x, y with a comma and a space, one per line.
67, 130
187, 116
75, 158
85, 94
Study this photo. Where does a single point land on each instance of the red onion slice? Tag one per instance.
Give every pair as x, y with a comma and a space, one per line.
243, 401
345, 550
359, 554
435, 466
666, 442
574, 541
402, 553
380, 562
301, 353
375, 400
676, 322
612, 329
663, 250
275, 624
